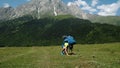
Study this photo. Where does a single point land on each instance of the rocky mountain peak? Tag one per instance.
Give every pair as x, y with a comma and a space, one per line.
42, 8
6, 12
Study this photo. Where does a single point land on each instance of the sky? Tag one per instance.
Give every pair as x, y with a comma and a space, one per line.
99, 7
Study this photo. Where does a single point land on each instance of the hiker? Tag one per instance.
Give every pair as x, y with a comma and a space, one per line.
65, 48
71, 42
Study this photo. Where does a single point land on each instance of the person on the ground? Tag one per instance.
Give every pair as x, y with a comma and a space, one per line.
71, 42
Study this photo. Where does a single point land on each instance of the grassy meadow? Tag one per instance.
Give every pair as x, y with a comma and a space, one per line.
87, 56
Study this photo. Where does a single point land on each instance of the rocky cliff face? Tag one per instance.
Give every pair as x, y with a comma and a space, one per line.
6, 13
41, 8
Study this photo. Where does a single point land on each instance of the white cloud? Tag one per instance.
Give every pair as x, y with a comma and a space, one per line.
94, 3
110, 9
70, 3
88, 8
84, 5
104, 9
6, 5
80, 2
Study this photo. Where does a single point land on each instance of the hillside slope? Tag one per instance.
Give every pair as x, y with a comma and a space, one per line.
26, 31
114, 20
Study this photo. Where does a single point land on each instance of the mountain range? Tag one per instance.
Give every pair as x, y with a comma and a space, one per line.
43, 8
44, 22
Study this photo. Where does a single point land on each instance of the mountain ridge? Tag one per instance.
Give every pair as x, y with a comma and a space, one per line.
43, 8
40, 8
26, 31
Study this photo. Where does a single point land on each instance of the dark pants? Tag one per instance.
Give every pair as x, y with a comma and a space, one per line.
70, 47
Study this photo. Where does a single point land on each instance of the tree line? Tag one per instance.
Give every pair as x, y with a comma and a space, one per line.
29, 31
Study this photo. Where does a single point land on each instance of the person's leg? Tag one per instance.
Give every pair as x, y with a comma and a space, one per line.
66, 52
67, 48
71, 48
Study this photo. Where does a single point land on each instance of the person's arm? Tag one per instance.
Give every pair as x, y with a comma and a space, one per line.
66, 51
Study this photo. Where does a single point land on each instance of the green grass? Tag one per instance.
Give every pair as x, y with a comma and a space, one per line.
87, 56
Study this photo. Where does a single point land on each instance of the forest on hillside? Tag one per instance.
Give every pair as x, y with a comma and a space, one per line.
29, 31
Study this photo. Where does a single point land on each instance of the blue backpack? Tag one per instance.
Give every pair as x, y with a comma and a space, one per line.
70, 40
